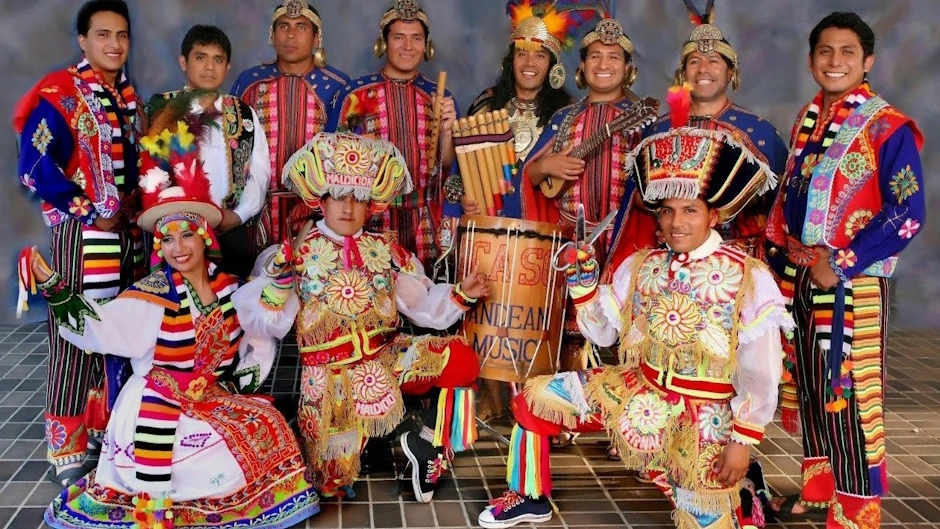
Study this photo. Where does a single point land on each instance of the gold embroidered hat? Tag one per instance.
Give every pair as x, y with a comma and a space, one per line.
408, 11
706, 38
295, 9
548, 24
608, 31
338, 164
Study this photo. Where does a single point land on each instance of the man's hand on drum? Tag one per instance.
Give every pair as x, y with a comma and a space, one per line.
470, 206
475, 284
559, 165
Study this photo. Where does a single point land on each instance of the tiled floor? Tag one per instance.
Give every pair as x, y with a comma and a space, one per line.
590, 491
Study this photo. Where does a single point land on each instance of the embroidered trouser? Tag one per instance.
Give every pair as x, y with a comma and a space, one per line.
844, 452
678, 448
99, 265
343, 405
416, 231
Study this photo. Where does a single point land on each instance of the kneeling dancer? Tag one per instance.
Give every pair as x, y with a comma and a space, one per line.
352, 286
700, 351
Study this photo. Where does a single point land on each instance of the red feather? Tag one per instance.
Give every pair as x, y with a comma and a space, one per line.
679, 99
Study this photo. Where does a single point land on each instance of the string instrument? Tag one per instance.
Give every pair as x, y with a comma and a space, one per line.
639, 115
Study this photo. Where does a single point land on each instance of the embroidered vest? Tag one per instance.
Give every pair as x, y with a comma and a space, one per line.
342, 305
844, 190
90, 166
685, 322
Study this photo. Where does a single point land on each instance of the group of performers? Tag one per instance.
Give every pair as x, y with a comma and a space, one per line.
190, 234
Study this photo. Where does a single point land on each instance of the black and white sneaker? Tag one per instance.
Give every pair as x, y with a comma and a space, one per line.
512, 509
427, 464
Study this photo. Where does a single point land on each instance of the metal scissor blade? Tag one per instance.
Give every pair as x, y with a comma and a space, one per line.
580, 229
601, 226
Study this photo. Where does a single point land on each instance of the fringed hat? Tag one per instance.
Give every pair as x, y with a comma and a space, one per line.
338, 164
549, 24
297, 9
172, 178
408, 11
689, 163
706, 38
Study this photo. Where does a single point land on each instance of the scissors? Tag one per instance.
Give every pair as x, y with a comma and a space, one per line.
576, 258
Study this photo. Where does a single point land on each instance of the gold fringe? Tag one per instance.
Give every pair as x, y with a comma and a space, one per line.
429, 364
528, 45
607, 390
547, 406
626, 315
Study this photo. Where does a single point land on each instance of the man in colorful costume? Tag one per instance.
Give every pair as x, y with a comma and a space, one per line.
183, 446
531, 83
352, 284
78, 153
853, 198
293, 97
396, 104
709, 64
600, 181
233, 150
699, 330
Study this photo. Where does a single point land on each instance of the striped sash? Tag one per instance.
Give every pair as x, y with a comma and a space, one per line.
178, 376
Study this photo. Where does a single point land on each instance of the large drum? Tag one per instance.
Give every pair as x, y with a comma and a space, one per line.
517, 330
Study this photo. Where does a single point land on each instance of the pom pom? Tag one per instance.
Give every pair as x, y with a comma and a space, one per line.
184, 225
201, 231
679, 99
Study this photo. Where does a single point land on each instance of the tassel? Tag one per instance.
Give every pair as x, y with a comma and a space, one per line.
445, 410
878, 477
679, 99
351, 255
463, 426
528, 470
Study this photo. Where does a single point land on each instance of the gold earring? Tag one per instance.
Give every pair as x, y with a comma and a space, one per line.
378, 49
319, 57
579, 79
429, 51
631, 77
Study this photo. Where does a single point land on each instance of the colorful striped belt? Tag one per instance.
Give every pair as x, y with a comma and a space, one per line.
696, 387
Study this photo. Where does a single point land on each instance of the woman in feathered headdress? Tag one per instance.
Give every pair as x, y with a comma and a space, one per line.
172, 457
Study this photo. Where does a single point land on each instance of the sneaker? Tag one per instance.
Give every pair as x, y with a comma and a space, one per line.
427, 465
512, 508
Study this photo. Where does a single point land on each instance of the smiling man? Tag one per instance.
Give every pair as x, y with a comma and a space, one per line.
852, 200
293, 97
698, 325
396, 104
233, 149
710, 65
78, 132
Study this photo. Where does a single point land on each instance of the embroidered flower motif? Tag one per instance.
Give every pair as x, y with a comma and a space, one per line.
348, 293
116, 514
809, 164
858, 220
349, 160
722, 315
718, 279
878, 128
821, 183
248, 125
266, 500
648, 413
213, 517
708, 461
673, 319
29, 182
68, 103
836, 150
321, 257
653, 275
42, 137
376, 255
816, 216
909, 229
55, 434
870, 516
714, 422
853, 166
80, 206
855, 119
314, 383
846, 258
380, 282
370, 381
87, 125
197, 388
904, 184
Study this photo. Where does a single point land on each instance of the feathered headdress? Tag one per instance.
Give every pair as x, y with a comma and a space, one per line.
706, 38
172, 177
549, 24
